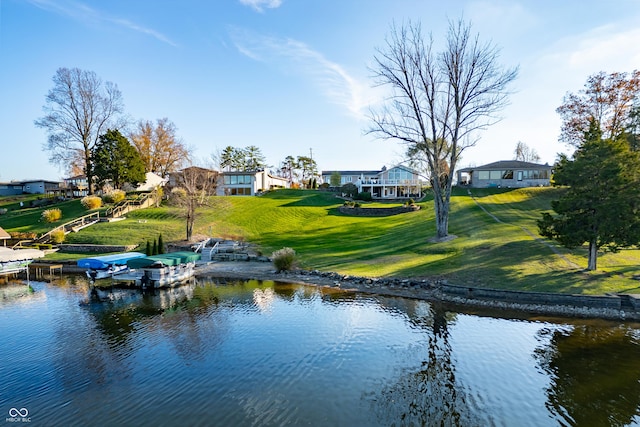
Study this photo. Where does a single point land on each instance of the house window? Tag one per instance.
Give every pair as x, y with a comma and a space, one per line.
508, 174
495, 174
483, 174
400, 175
240, 191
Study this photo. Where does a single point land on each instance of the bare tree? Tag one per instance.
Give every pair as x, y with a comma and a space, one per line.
524, 153
159, 146
78, 109
608, 99
439, 100
193, 187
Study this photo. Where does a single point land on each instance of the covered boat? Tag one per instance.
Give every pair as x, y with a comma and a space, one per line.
158, 271
17, 260
103, 266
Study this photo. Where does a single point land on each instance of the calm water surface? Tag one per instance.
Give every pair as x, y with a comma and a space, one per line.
269, 354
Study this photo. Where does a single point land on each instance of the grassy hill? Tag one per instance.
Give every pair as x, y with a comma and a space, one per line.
497, 243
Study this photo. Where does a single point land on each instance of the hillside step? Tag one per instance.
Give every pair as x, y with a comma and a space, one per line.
77, 228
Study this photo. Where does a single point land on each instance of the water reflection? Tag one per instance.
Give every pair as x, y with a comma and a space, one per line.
427, 395
263, 353
595, 374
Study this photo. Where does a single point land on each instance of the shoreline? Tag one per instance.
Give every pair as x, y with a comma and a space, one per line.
506, 303
500, 303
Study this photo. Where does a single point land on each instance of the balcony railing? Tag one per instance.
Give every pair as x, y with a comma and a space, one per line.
391, 182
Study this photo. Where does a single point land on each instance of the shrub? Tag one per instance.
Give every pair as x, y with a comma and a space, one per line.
51, 215
57, 236
284, 259
365, 195
349, 189
23, 235
91, 202
114, 196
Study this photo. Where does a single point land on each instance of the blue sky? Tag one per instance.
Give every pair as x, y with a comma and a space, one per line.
291, 76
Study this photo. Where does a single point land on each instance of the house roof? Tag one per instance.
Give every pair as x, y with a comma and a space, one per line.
352, 172
29, 181
507, 164
4, 235
368, 172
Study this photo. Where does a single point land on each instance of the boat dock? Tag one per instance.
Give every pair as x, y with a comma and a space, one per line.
40, 269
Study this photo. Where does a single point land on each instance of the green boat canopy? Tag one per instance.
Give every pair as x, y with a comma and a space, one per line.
173, 258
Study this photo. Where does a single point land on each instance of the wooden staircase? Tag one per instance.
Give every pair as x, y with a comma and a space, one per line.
143, 200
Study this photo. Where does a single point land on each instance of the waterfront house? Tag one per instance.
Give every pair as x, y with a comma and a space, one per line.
506, 174
34, 186
151, 182
75, 186
194, 176
249, 183
396, 182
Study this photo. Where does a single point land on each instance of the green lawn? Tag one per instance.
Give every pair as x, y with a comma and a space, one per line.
497, 246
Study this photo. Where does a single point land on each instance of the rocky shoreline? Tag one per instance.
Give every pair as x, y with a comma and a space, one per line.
437, 290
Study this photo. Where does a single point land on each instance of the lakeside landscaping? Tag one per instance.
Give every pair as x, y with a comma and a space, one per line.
497, 242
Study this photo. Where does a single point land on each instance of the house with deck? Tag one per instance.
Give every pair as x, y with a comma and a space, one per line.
397, 182
506, 174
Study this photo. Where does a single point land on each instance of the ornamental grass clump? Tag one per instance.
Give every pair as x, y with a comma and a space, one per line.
284, 259
91, 202
114, 196
51, 215
57, 236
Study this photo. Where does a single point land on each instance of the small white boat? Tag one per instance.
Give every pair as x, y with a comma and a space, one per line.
104, 266
17, 260
160, 271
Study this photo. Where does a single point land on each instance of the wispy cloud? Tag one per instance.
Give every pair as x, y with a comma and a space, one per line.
85, 14
334, 81
259, 5
610, 48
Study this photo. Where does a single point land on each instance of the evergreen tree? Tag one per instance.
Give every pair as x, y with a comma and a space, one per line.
148, 251
116, 160
601, 206
160, 245
155, 248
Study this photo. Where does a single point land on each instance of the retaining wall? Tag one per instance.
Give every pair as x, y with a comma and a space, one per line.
96, 248
614, 302
377, 211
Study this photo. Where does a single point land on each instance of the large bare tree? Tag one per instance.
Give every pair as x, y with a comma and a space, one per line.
438, 100
193, 187
159, 146
78, 109
607, 99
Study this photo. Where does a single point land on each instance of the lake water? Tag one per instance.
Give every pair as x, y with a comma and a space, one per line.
270, 354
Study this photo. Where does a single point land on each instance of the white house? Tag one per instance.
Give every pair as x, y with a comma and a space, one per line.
152, 181
248, 183
396, 182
